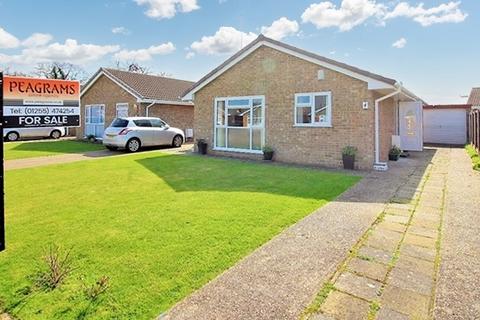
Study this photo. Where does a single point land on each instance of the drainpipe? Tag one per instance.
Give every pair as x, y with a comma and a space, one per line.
377, 124
147, 108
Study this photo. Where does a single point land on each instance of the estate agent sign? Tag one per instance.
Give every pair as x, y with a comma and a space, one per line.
30, 103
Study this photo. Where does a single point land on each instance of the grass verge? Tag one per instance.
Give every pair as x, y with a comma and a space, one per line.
32, 149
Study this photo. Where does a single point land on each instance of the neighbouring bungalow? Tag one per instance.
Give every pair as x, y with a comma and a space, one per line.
112, 93
304, 106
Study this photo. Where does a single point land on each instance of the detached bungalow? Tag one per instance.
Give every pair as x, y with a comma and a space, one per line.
112, 93
305, 106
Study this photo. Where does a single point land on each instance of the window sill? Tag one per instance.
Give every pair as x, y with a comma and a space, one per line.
312, 126
238, 150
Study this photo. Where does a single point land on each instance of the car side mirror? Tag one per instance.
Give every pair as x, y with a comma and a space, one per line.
167, 127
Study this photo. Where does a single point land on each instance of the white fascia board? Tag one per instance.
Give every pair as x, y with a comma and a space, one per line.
154, 101
373, 84
103, 73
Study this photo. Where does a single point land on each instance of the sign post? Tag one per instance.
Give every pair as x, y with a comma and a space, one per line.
33, 103
2, 212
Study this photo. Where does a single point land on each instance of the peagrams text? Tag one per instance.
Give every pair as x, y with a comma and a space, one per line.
28, 87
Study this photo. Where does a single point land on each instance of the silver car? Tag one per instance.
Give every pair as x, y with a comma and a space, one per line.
14, 134
132, 133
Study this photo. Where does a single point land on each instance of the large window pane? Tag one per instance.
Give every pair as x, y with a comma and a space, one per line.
320, 109
239, 117
239, 138
221, 113
220, 137
304, 114
257, 138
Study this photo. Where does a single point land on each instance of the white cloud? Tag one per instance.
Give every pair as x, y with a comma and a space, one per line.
350, 13
443, 13
166, 9
70, 51
120, 30
400, 43
145, 54
190, 55
7, 40
281, 28
37, 40
225, 41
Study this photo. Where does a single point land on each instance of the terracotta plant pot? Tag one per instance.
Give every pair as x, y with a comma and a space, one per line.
348, 162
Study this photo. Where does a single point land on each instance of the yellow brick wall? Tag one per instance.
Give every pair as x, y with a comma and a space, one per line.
278, 77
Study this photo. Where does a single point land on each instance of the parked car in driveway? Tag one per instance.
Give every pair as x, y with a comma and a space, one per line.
133, 133
14, 134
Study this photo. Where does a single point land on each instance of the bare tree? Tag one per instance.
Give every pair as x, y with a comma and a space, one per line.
8, 71
133, 66
59, 70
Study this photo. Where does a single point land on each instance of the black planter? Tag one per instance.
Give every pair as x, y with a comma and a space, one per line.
202, 147
348, 162
393, 157
267, 155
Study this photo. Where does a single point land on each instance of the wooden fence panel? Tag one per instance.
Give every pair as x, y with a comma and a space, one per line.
474, 128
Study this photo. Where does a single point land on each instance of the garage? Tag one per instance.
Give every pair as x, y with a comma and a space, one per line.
445, 124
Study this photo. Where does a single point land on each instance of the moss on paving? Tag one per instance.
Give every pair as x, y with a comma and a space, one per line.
158, 226
32, 149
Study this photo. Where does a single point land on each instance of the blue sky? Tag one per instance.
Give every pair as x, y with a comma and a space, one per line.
437, 52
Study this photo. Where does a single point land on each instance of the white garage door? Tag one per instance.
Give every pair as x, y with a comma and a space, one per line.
447, 126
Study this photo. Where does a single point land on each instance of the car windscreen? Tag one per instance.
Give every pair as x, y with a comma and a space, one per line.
119, 123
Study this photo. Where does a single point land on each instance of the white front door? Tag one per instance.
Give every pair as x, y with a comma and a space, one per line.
411, 125
95, 120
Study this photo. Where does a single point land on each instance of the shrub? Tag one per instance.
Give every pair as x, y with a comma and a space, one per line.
474, 155
59, 264
349, 151
395, 151
95, 290
267, 149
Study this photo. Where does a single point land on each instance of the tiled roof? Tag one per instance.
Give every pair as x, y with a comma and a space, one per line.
474, 98
146, 86
297, 50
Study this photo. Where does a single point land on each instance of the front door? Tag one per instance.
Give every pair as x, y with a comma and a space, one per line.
411, 125
95, 120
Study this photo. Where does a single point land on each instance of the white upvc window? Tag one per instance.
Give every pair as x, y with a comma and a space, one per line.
313, 109
121, 110
239, 124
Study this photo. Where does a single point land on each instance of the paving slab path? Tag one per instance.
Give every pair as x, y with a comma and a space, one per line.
458, 290
281, 278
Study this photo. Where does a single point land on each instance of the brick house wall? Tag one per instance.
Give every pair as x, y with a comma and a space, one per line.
105, 91
179, 116
278, 76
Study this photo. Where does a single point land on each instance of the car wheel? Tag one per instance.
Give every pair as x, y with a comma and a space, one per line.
177, 141
133, 145
55, 134
13, 136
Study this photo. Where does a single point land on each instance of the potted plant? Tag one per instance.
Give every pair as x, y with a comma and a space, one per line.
348, 157
267, 153
202, 146
394, 153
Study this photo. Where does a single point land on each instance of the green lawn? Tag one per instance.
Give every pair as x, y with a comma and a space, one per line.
20, 150
474, 155
158, 225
